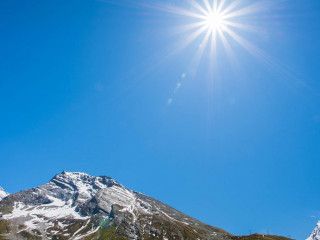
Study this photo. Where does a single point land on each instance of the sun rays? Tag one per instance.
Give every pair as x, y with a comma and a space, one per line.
210, 34
218, 22
218, 30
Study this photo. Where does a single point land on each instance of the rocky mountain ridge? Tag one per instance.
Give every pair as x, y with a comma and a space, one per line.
77, 206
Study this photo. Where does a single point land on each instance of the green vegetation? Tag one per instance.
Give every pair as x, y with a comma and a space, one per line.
6, 209
107, 233
71, 229
4, 227
260, 237
111, 233
29, 236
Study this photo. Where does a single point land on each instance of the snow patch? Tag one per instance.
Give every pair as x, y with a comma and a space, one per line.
315, 235
34, 215
3, 193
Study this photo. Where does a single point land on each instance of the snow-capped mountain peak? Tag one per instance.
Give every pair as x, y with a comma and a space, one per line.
315, 235
76, 180
75, 205
81, 184
3, 193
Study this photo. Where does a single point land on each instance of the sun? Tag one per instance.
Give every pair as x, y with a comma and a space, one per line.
218, 23
215, 21
216, 30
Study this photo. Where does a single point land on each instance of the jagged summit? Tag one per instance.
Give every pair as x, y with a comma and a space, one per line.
3, 193
79, 175
315, 235
81, 185
78, 178
82, 177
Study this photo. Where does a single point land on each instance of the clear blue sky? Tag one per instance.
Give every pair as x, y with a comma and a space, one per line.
85, 87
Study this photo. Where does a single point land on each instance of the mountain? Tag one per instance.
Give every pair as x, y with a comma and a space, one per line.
315, 235
79, 206
3, 194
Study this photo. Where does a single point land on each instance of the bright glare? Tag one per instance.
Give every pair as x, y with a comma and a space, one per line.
220, 25
219, 22
214, 21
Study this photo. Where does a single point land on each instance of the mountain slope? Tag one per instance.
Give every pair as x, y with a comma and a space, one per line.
74, 206
315, 235
3, 194
79, 206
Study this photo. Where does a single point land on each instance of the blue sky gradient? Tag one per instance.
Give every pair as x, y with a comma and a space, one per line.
84, 87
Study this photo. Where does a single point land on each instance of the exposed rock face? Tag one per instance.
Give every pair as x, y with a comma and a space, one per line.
80, 206
3, 194
315, 235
